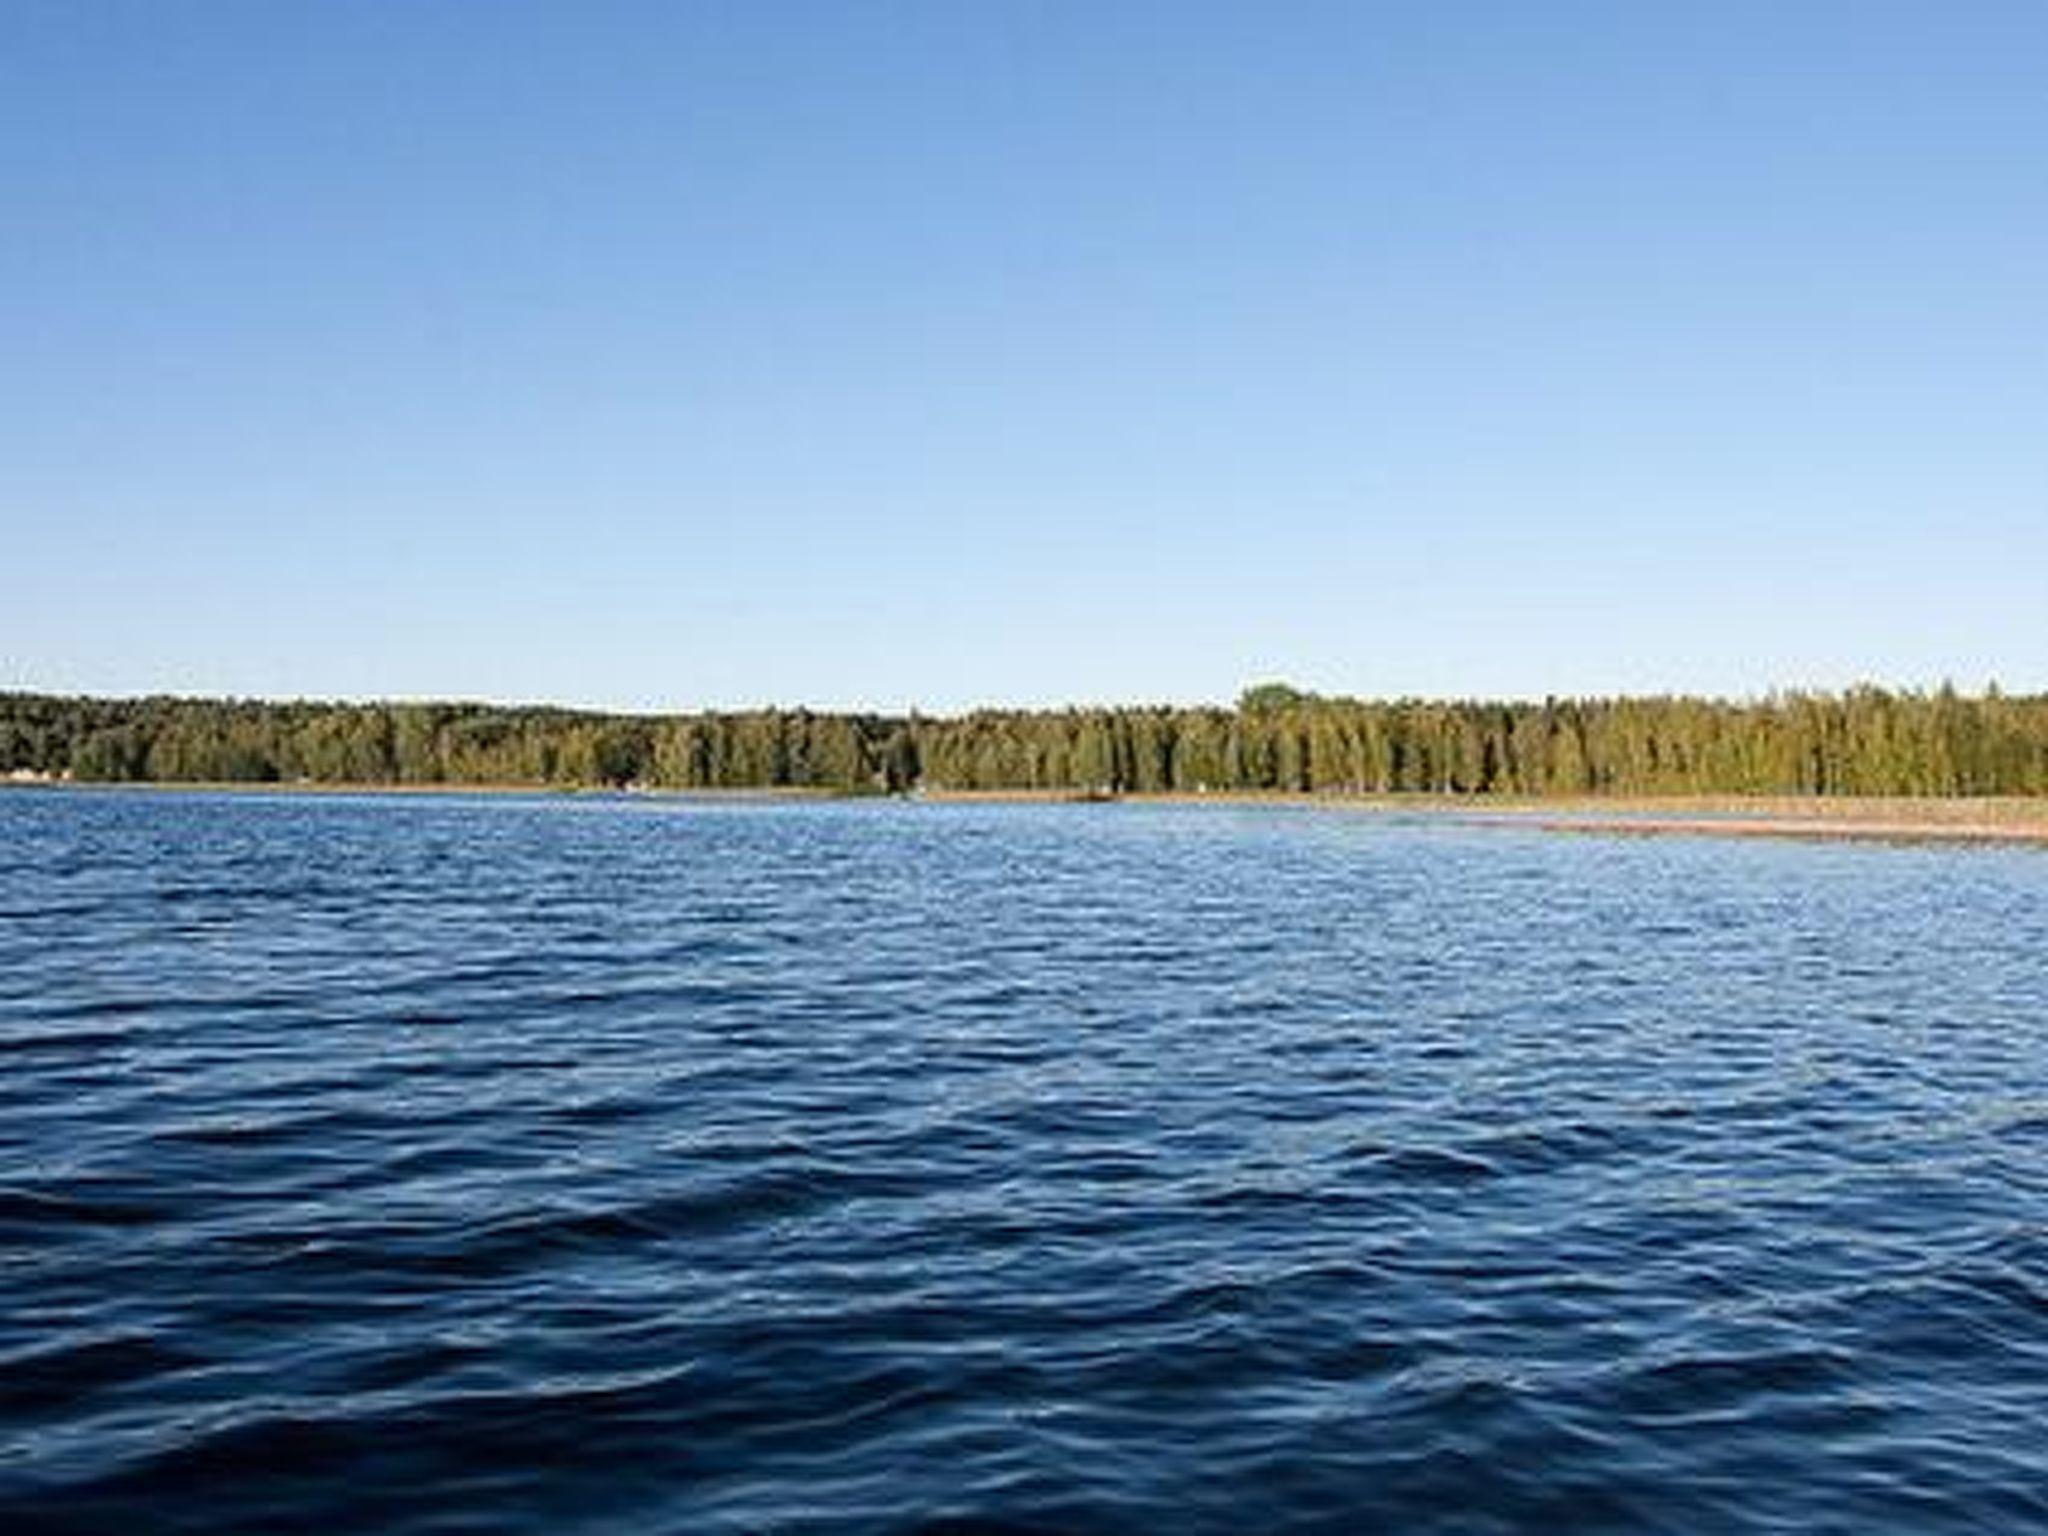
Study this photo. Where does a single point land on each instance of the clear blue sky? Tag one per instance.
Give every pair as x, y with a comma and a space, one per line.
669, 355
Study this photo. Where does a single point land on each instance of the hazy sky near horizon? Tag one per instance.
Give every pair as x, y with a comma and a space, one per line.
667, 355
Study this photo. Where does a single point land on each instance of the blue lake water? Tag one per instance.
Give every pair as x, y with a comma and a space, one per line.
555, 1165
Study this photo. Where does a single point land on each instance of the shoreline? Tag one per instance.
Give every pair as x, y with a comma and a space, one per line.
1874, 818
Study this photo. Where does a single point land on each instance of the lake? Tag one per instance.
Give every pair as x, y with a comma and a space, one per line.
437, 1164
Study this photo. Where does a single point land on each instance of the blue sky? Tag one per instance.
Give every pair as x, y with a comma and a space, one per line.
672, 355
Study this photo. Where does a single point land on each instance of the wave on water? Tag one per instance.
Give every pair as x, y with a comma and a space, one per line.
431, 1166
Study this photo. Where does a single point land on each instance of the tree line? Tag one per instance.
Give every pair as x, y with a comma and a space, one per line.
1864, 741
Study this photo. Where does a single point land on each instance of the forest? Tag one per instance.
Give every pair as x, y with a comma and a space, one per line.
1863, 741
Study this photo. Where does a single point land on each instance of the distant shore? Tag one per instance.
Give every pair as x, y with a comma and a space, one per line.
1982, 819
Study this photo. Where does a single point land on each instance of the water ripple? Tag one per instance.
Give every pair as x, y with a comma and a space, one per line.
519, 1164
